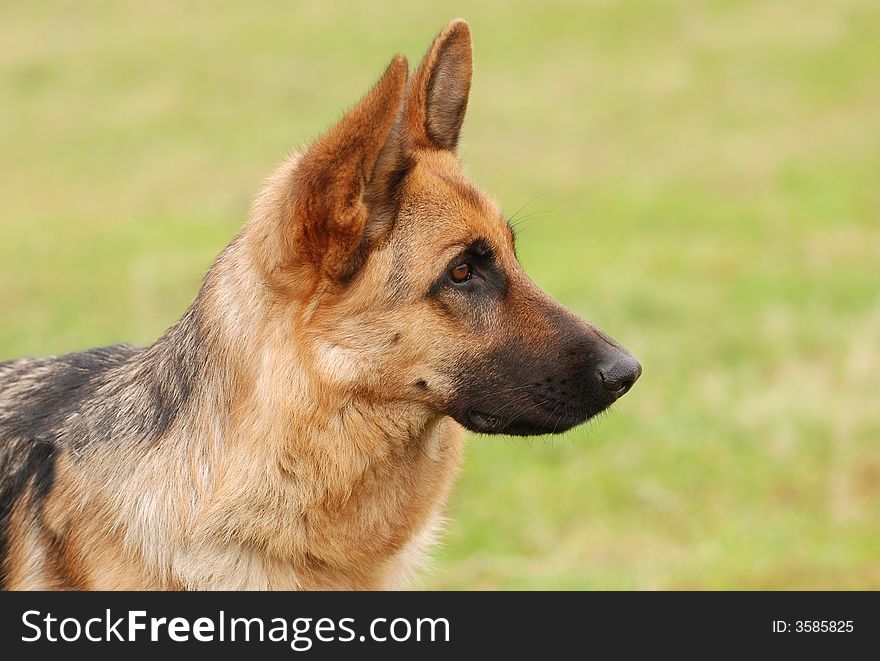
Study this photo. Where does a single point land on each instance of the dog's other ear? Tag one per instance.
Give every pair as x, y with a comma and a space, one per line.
438, 94
333, 177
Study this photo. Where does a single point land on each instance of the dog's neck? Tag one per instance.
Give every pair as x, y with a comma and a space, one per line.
304, 474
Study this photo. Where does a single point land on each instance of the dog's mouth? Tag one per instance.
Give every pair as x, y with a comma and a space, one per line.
515, 425
483, 422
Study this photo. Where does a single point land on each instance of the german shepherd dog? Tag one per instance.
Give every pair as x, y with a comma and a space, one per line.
301, 425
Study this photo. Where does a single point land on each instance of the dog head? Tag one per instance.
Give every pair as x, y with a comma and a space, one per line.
400, 277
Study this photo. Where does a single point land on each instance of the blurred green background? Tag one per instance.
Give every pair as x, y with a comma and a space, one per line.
701, 179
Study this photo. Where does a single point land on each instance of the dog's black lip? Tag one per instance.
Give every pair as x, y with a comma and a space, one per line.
484, 423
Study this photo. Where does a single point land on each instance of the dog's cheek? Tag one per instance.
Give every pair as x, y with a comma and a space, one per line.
339, 365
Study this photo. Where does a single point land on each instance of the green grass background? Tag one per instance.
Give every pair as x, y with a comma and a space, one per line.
701, 179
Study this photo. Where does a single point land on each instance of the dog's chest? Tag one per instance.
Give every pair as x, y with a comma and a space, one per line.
323, 526
379, 527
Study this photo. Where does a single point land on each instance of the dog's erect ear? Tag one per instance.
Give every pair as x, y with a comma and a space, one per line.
334, 176
438, 94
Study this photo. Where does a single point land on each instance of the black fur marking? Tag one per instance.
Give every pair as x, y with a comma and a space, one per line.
37, 469
69, 382
182, 356
172, 369
118, 393
102, 394
37, 401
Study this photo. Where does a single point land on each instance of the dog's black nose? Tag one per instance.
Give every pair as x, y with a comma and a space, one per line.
619, 375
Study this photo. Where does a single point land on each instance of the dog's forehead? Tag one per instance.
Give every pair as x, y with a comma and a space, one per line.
446, 207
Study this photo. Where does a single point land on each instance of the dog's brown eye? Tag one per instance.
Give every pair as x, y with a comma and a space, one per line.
460, 273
